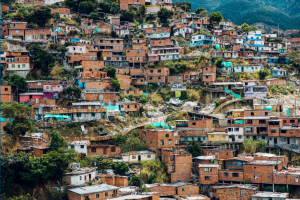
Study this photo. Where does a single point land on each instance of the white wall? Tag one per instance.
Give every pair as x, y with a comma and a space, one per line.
78, 179
77, 147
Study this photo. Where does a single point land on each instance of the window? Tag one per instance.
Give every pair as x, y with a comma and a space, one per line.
167, 135
93, 149
292, 121
242, 192
78, 114
273, 131
269, 177
235, 174
81, 146
207, 169
262, 121
212, 136
13, 65
194, 123
226, 174
252, 113
248, 129
149, 156
72, 146
172, 167
6, 89
208, 178
80, 177
230, 191
161, 142
133, 157
113, 149
223, 136
170, 142
93, 114
226, 153
248, 121
23, 65
266, 113
106, 193
97, 195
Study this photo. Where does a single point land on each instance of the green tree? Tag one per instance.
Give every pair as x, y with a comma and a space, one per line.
31, 25
20, 114
246, 28
215, 17
111, 71
57, 141
219, 62
143, 99
17, 82
94, 15
86, 7
115, 7
120, 139
115, 83
135, 181
164, 14
202, 12
120, 168
101, 163
72, 92
114, 34
56, 16
133, 144
281, 58
105, 7
184, 5
142, 9
41, 59
127, 16
195, 148
263, 73
40, 16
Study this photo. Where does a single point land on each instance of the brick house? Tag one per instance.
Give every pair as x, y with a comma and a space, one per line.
115, 180
157, 139
18, 62
194, 129
101, 96
95, 192
129, 106
112, 44
37, 34
158, 32
209, 75
162, 43
6, 94
241, 192
102, 149
126, 4
208, 174
178, 165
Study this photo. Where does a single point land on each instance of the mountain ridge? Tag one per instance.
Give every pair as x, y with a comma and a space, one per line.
268, 12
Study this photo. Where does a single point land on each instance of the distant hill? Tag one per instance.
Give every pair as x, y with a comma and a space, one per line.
268, 12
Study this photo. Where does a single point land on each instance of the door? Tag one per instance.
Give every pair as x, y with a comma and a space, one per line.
242, 69
104, 150
275, 140
288, 140
139, 157
90, 176
218, 138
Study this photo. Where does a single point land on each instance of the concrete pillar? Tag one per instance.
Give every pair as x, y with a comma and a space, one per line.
273, 187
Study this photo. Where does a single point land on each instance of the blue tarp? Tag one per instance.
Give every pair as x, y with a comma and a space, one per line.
226, 64
159, 124
109, 108
236, 96
269, 108
288, 112
146, 94
217, 47
238, 122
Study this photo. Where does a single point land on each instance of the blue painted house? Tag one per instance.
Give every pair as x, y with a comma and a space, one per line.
276, 72
200, 40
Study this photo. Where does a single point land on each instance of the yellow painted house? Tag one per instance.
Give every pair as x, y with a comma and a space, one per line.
217, 137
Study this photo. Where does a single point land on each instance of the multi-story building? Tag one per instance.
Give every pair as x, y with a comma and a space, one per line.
158, 32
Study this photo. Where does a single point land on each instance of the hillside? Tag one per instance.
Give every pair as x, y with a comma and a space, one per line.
268, 12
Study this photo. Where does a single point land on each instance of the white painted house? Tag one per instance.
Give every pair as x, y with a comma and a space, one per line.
79, 176
138, 156
79, 146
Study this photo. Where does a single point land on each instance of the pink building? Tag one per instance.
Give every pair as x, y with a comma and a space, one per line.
24, 97
51, 91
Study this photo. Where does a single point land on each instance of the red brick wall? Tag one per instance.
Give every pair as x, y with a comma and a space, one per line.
101, 150
164, 190
264, 173
224, 193
102, 196
187, 190
213, 174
